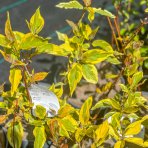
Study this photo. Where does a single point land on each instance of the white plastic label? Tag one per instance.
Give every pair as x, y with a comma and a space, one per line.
40, 95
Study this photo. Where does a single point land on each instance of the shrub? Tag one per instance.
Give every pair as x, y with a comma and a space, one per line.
123, 119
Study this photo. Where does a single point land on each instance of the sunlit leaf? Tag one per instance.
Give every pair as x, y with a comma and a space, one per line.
53, 49
74, 76
136, 78
102, 103
65, 110
79, 134
15, 134
8, 30
119, 144
104, 12
4, 41
134, 128
36, 22
40, 136
69, 123
62, 36
70, 5
91, 14
11, 58
3, 118
95, 56
40, 112
30, 41
38, 76
85, 111
15, 78
135, 140
103, 44
62, 131
90, 73
102, 131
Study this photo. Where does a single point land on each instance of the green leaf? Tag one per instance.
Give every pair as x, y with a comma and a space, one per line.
3, 105
113, 60
114, 133
53, 49
30, 41
95, 56
70, 5
136, 78
133, 129
4, 42
69, 123
15, 79
85, 111
79, 134
90, 73
15, 134
40, 136
124, 88
40, 112
36, 22
74, 76
102, 131
62, 131
103, 44
8, 30
104, 12
102, 103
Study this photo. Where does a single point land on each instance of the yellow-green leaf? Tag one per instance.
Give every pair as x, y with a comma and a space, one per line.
102, 131
11, 58
62, 131
134, 128
40, 112
70, 5
15, 134
53, 49
91, 14
15, 78
90, 73
62, 36
79, 134
136, 78
30, 41
4, 42
38, 76
104, 12
119, 144
69, 123
85, 111
102, 103
103, 44
40, 136
135, 140
8, 30
36, 22
95, 56
74, 76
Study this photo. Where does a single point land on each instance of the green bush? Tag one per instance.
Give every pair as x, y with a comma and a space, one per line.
72, 127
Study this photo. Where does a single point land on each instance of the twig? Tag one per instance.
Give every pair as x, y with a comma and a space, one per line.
114, 35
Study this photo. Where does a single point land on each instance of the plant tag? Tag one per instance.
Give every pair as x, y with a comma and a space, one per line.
40, 95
